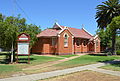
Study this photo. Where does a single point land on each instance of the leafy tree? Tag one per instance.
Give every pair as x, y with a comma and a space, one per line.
118, 42
32, 30
105, 13
105, 36
115, 24
106, 39
11, 26
1, 28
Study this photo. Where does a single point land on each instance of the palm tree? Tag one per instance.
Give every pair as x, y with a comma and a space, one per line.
104, 15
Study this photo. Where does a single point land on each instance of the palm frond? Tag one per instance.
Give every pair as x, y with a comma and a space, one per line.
105, 12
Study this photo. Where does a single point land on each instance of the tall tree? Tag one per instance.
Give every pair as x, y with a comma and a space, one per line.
105, 37
104, 15
115, 24
32, 30
10, 27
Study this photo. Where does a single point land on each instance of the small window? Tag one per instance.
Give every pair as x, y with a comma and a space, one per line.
96, 42
78, 42
84, 42
65, 40
53, 41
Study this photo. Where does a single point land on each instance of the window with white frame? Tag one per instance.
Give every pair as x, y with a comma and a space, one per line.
53, 41
66, 40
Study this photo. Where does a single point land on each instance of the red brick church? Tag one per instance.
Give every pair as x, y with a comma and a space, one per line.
62, 40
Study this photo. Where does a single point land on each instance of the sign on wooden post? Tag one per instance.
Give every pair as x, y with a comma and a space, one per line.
23, 45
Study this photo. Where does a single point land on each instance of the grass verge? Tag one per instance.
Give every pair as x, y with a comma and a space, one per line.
9, 69
114, 67
68, 56
80, 61
86, 59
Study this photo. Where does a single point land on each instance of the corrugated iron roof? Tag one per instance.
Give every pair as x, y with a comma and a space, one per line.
78, 33
48, 33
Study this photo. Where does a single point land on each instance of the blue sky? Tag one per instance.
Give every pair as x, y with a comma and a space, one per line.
71, 13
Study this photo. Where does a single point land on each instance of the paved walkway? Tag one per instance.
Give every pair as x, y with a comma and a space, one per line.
33, 77
51, 63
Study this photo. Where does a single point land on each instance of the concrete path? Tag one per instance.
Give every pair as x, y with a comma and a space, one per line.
115, 73
33, 77
50, 63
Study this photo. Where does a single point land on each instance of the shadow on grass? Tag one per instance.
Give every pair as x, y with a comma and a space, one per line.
97, 54
25, 60
112, 62
5, 58
115, 63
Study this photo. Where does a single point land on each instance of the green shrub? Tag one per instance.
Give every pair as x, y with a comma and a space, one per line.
118, 52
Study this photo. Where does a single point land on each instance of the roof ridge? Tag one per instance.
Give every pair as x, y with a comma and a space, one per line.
72, 27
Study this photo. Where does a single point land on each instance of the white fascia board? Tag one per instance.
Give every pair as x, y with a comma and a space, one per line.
96, 36
61, 31
65, 29
87, 31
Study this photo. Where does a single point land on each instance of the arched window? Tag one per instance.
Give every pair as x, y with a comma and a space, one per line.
66, 40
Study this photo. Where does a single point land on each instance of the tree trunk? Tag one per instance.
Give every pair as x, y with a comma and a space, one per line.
12, 53
114, 42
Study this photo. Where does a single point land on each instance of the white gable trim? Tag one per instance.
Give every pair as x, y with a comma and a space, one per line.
87, 31
96, 36
65, 29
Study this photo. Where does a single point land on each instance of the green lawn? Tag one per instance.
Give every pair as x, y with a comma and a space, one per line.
8, 69
86, 59
67, 56
114, 67
37, 59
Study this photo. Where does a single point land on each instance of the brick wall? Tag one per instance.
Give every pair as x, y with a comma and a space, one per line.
42, 46
65, 50
77, 48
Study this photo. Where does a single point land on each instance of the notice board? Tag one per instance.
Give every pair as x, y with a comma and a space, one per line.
23, 48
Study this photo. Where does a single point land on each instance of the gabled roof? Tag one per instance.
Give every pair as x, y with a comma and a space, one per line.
65, 28
78, 33
48, 33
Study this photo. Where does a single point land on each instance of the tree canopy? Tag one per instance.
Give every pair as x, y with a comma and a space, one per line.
115, 24
11, 26
106, 11
104, 15
105, 36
